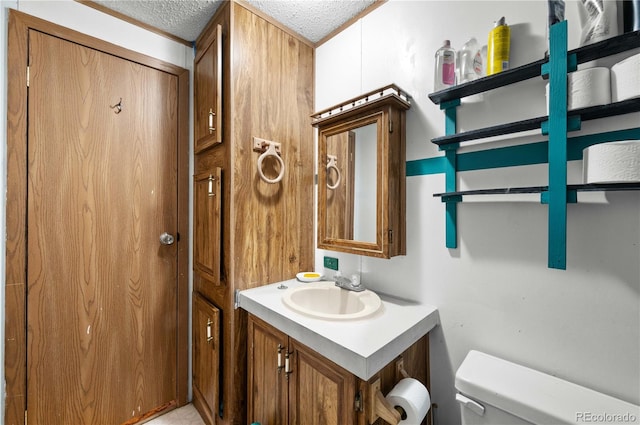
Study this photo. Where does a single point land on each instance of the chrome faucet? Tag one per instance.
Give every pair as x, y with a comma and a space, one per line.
352, 284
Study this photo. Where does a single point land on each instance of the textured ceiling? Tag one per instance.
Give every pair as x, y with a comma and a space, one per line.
313, 19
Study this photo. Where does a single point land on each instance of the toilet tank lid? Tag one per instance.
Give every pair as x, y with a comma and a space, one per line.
535, 396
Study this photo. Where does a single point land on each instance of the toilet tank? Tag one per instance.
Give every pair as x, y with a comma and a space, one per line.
498, 392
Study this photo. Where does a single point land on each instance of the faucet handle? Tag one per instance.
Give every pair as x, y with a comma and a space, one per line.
355, 280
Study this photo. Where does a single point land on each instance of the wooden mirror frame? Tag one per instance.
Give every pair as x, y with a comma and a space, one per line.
386, 108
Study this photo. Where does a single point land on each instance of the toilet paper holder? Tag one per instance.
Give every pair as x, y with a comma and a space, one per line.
379, 406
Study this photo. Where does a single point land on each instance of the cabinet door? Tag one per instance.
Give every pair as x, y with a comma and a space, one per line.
207, 244
267, 386
206, 355
207, 75
320, 391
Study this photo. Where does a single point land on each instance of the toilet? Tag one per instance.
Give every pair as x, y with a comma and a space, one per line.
497, 392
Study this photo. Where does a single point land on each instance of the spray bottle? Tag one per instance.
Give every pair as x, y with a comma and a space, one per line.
498, 47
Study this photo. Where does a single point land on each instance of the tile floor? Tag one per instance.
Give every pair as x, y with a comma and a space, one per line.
186, 415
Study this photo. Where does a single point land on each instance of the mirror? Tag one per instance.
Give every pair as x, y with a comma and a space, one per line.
360, 171
350, 170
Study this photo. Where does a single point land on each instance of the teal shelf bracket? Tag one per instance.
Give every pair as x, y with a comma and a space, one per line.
572, 65
451, 198
450, 104
558, 67
450, 171
572, 197
574, 123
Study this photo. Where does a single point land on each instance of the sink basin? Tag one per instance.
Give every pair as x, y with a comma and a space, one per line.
324, 300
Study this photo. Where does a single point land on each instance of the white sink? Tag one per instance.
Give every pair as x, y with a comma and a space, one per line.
324, 300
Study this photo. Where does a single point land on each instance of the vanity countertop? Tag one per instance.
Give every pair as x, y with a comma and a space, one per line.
362, 346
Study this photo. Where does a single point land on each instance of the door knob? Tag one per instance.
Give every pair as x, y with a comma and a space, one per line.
166, 239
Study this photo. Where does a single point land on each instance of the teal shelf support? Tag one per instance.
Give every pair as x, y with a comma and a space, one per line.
558, 68
572, 197
574, 123
450, 171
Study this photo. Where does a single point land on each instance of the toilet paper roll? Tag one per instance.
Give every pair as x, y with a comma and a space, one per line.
587, 87
615, 162
413, 397
625, 79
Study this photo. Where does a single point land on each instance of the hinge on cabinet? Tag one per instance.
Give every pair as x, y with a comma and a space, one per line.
25, 412
390, 126
28, 72
236, 299
357, 404
315, 179
390, 235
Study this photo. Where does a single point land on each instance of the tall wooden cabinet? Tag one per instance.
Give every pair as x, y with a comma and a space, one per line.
252, 78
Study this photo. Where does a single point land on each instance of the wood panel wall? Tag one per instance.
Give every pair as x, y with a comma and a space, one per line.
272, 80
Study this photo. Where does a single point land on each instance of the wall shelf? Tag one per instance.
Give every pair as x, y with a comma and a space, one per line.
593, 187
583, 54
555, 152
584, 114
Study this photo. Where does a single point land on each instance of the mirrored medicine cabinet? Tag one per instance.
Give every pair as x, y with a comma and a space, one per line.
361, 174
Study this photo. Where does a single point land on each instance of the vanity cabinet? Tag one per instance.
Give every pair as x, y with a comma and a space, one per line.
207, 77
267, 382
206, 355
361, 174
289, 383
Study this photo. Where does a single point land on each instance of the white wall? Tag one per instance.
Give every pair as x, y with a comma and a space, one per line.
495, 292
84, 19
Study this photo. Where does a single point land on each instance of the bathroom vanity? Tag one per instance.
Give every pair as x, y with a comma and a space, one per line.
299, 365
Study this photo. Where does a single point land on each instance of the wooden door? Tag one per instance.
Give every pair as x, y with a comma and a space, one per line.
102, 188
320, 391
206, 354
267, 381
207, 75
